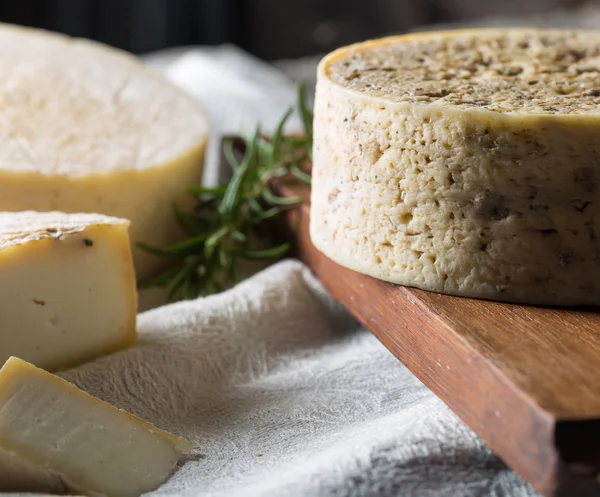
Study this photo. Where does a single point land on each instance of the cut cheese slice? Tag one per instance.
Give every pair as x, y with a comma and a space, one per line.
89, 445
463, 162
68, 287
87, 128
19, 475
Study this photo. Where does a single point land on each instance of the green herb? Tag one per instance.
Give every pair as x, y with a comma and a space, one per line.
228, 224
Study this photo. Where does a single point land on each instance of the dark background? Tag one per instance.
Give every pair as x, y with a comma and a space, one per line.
271, 29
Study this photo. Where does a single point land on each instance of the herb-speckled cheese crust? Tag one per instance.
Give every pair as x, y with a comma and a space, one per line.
463, 162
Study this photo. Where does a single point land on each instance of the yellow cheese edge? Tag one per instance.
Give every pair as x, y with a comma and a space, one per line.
476, 114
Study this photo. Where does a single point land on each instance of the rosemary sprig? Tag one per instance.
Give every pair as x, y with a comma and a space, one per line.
227, 224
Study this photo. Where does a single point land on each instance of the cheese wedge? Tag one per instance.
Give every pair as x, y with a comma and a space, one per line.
68, 287
65, 433
87, 128
463, 162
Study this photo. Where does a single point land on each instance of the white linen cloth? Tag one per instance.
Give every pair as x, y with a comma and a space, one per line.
280, 392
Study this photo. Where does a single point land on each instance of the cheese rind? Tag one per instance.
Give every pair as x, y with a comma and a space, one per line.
91, 446
87, 128
474, 200
68, 290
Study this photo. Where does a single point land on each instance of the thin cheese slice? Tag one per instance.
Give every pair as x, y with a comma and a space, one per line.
59, 431
87, 128
68, 287
463, 162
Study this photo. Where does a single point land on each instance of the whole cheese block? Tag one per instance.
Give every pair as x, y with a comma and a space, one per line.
68, 289
463, 162
87, 128
63, 436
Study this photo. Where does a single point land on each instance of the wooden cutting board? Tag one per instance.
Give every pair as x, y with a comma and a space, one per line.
525, 379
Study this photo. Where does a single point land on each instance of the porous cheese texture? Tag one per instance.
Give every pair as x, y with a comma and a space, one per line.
68, 291
60, 436
87, 128
463, 162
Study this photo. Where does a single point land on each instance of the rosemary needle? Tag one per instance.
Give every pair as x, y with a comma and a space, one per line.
228, 222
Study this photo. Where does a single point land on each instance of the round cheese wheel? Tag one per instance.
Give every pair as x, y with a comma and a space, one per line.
87, 128
463, 162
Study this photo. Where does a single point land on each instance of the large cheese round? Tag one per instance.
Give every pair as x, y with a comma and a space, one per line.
86, 128
463, 162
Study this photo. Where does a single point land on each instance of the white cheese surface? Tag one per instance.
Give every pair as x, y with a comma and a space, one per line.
68, 290
474, 200
92, 447
86, 128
